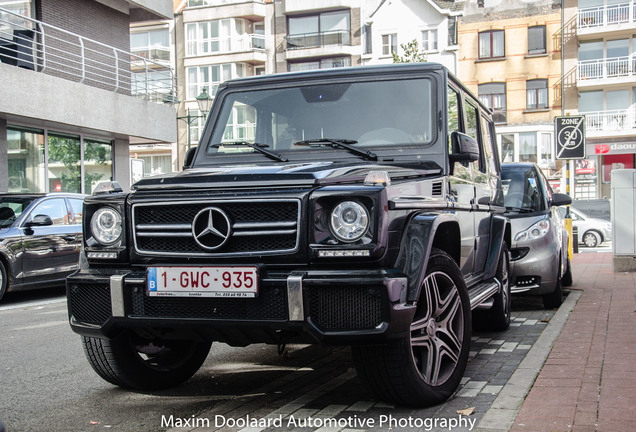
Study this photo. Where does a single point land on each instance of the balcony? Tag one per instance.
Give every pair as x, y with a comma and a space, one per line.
41, 47
204, 10
617, 70
601, 19
316, 40
610, 123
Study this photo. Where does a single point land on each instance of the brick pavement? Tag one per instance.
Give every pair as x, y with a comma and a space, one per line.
588, 382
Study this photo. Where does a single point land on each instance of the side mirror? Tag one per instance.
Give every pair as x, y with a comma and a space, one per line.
189, 158
465, 148
559, 199
40, 220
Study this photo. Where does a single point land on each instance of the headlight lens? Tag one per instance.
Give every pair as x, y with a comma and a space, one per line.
536, 231
106, 225
349, 221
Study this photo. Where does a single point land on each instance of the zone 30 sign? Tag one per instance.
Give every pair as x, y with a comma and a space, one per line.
570, 137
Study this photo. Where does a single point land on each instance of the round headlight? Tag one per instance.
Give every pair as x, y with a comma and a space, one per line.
106, 225
349, 221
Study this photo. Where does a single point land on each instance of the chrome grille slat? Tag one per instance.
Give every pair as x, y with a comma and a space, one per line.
257, 227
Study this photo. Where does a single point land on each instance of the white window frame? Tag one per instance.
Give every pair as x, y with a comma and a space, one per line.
390, 45
430, 40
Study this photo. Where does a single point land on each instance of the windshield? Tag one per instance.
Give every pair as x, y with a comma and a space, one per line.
363, 114
522, 190
11, 208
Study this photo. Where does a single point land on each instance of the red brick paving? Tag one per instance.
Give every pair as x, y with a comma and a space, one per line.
588, 382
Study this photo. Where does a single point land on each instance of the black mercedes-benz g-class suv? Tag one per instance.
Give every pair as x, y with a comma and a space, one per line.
354, 206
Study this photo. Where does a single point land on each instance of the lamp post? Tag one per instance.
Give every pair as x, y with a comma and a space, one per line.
204, 100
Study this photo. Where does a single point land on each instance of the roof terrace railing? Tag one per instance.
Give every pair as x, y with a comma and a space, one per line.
41, 47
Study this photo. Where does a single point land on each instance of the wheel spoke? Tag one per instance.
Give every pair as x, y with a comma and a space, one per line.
448, 329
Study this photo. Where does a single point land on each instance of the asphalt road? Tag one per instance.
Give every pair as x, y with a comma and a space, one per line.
47, 384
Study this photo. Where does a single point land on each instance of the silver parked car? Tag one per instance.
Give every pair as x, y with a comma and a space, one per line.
539, 262
592, 231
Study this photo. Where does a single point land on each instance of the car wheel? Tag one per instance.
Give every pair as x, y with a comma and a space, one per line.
555, 298
566, 280
425, 367
591, 239
497, 318
132, 362
4, 280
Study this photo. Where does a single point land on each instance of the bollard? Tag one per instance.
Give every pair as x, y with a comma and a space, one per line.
575, 240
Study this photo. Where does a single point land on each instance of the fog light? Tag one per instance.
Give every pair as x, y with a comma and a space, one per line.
343, 253
101, 255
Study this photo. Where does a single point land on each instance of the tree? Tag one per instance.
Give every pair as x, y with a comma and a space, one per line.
412, 53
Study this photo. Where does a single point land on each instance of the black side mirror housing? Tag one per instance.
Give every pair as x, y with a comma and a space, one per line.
189, 158
465, 148
40, 220
560, 199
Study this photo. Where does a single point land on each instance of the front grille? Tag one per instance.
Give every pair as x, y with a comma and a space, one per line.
270, 305
216, 227
90, 302
346, 307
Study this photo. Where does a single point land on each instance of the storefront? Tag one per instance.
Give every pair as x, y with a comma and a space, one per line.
609, 156
41, 160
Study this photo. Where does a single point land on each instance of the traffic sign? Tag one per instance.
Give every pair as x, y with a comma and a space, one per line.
570, 137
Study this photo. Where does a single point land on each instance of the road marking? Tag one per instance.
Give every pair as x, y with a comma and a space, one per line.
33, 304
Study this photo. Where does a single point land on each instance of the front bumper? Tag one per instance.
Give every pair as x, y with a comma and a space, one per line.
536, 272
332, 307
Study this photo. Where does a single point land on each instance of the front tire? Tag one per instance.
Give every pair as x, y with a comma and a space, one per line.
591, 239
132, 362
425, 367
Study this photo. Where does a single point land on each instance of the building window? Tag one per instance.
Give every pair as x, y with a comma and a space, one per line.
452, 31
491, 44
156, 164
327, 63
536, 40
389, 44
528, 147
217, 36
152, 45
329, 28
507, 148
368, 44
429, 40
537, 94
74, 163
493, 95
211, 76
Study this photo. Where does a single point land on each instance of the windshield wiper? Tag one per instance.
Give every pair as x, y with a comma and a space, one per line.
339, 143
519, 209
256, 146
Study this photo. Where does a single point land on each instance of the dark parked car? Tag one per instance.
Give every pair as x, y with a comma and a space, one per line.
539, 255
350, 206
40, 239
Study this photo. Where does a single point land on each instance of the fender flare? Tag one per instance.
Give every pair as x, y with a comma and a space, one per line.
422, 232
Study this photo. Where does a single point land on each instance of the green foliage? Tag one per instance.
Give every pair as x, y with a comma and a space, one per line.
412, 53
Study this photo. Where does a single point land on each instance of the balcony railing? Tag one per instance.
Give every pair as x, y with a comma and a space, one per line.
314, 40
197, 3
615, 67
41, 47
610, 121
606, 15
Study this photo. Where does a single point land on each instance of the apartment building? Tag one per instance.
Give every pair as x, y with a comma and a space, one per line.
601, 77
73, 96
387, 25
215, 40
510, 55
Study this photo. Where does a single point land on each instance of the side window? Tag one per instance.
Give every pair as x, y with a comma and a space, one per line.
490, 148
55, 209
453, 114
472, 129
77, 205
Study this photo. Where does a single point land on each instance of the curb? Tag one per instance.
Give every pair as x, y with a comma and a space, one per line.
503, 411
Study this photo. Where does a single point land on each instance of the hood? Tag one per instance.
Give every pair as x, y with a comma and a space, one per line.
284, 175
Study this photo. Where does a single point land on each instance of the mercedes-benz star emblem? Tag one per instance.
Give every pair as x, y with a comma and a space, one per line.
211, 228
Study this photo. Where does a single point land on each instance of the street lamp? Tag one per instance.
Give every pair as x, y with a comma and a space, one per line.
204, 100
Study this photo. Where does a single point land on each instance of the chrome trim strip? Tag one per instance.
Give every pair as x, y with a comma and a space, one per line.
295, 297
164, 234
257, 233
261, 225
164, 226
117, 295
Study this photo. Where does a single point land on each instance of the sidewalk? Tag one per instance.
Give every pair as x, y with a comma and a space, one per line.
588, 382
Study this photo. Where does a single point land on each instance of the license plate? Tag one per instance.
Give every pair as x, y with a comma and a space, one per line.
202, 281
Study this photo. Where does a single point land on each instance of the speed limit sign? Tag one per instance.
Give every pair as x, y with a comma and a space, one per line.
570, 137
